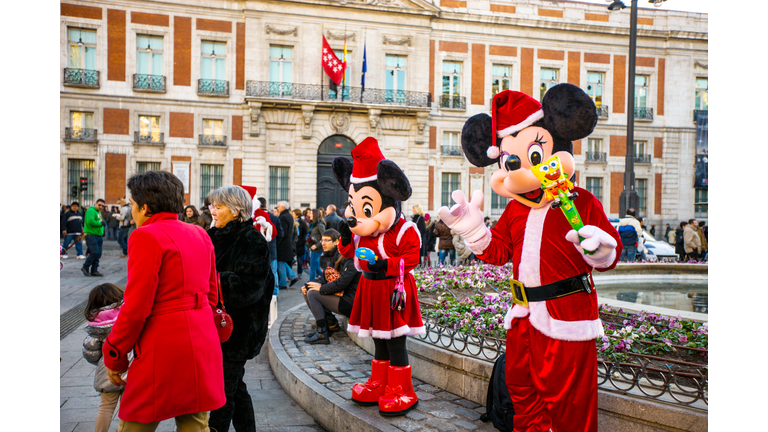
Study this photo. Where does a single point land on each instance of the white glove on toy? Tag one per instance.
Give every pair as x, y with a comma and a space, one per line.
265, 228
467, 220
596, 240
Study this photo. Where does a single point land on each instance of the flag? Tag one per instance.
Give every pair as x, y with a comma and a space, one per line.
365, 68
331, 64
345, 55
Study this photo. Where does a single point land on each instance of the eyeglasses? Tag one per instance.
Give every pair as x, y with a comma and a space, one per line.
326, 241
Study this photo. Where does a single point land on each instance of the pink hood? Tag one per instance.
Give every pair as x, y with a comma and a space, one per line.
105, 317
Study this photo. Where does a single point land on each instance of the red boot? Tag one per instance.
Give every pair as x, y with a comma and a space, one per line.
368, 393
399, 397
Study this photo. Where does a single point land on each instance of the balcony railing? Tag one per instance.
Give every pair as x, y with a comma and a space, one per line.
149, 83
213, 140
346, 94
696, 114
642, 159
453, 102
208, 87
596, 157
85, 78
157, 138
451, 151
644, 114
80, 134
602, 112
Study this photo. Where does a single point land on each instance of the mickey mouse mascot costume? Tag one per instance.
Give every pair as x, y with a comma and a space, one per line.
551, 361
385, 248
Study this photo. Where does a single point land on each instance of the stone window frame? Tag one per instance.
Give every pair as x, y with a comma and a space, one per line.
652, 74
132, 58
224, 124
513, 75
98, 118
201, 36
465, 60
134, 127
547, 64
605, 69
294, 72
101, 42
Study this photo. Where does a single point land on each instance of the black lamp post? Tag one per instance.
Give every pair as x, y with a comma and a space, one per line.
628, 198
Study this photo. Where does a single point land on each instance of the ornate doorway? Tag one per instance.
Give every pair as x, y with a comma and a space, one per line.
328, 189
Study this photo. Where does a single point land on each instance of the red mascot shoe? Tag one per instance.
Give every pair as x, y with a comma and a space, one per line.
368, 393
399, 397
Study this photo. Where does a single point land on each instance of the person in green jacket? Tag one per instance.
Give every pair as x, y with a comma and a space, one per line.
93, 227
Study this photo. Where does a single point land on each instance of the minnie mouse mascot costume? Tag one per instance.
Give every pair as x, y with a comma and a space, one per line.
385, 248
551, 361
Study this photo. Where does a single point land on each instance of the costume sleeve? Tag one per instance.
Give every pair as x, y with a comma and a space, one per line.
348, 251
592, 213
247, 281
409, 250
140, 290
499, 251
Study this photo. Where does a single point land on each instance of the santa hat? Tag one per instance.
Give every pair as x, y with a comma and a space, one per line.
512, 111
365, 157
252, 192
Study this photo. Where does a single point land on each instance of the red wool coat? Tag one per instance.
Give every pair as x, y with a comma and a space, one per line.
534, 239
177, 367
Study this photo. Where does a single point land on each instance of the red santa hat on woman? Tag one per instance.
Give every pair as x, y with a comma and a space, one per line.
512, 111
366, 157
261, 220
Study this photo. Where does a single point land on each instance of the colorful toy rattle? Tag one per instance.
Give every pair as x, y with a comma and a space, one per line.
557, 187
366, 254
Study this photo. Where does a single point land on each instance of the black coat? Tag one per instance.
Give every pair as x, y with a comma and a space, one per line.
242, 259
429, 240
301, 240
276, 237
285, 245
347, 281
332, 221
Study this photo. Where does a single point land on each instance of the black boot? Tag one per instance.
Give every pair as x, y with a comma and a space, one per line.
321, 335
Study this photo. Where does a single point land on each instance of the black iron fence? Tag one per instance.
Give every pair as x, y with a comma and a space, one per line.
209, 87
81, 134
81, 78
149, 83
149, 138
644, 114
596, 157
80, 169
451, 151
453, 102
345, 94
213, 140
642, 159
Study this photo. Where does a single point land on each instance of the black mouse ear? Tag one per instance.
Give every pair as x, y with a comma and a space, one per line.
568, 112
476, 137
392, 180
342, 170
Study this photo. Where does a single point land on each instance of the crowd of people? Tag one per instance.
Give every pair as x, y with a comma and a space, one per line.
689, 239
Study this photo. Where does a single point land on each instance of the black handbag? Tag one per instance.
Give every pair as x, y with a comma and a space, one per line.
398, 294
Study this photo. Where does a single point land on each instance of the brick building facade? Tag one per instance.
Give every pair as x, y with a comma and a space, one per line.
223, 92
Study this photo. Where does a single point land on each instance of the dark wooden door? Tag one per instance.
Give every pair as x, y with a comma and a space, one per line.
328, 189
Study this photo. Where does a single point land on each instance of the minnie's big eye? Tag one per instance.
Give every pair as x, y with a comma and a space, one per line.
367, 210
535, 153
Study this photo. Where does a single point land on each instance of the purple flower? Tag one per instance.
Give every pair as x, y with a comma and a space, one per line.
683, 339
667, 341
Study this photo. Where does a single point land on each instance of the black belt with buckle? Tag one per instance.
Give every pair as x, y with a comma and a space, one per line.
376, 276
522, 295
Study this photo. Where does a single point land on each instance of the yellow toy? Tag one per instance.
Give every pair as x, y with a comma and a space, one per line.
552, 177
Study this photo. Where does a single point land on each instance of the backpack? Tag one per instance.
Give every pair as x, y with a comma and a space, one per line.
628, 235
498, 403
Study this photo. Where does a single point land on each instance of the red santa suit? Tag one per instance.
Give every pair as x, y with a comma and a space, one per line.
371, 312
551, 363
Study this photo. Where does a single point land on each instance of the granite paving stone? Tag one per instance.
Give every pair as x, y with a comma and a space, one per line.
466, 425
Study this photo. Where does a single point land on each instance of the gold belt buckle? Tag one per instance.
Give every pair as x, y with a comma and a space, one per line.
518, 293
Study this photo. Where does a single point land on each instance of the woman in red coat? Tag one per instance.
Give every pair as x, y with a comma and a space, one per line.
167, 317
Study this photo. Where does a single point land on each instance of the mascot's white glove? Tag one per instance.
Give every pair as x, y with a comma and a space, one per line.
596, 240
265, 228
467, 220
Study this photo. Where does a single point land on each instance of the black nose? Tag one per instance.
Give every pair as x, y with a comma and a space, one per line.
352, 221
513, 163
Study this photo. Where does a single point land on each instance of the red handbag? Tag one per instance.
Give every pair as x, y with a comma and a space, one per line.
221, 318
331, 275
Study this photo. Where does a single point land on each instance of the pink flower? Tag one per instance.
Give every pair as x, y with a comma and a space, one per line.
683, 339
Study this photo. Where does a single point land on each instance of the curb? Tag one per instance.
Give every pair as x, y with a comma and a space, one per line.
326, 407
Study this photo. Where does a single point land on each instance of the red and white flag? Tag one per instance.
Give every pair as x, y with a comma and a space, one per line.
331, 64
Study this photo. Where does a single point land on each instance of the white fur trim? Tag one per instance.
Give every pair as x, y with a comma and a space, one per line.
540, 319
492, 152
529, 270
356, 260
404, 228
382, 252
356, 180
384, 334
533, 118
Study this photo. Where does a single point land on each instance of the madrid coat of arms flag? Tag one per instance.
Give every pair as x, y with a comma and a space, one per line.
331, 64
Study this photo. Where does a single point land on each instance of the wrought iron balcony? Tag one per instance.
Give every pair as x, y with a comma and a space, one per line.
451, 151
453, 102
596, 157
208, 87
213, 140
642, 159
602, 112
346, 94
81, 135
149, 83
644, 114
697, 113
85, 78
156, 138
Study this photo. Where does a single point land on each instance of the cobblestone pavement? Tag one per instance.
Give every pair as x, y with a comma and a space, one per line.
274, 410
342, 363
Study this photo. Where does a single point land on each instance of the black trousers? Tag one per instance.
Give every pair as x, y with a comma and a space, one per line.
239, 408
